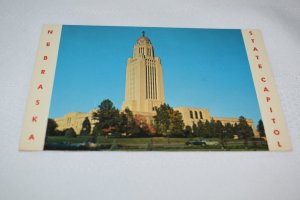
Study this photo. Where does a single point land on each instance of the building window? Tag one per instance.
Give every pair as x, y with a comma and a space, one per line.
68, 120
155, 86
191, 114
147, 82
196, 115
200, 113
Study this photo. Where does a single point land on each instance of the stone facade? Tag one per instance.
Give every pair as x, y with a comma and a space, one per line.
144, 88
191, 116
74, 120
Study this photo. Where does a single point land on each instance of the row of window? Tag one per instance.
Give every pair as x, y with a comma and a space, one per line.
69, 120
151, 87
132, 84
196, 114
142, 51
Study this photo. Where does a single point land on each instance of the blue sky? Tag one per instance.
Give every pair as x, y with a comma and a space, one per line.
202, 68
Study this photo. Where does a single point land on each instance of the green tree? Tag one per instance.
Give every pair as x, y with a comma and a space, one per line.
206, 129
51, 127
70, 132
229, 130
188, 131
220, 132
212, 128
167, 121
86, 127
123, 126
195, 130
219, 128
200, 129
235, 130
162, 119
107, 117
244, 130
176, 123
261, 128
132, 127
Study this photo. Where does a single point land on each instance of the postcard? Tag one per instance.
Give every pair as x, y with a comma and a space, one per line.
110, 88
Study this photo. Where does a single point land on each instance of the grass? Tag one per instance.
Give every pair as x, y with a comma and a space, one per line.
60, 139
147, 144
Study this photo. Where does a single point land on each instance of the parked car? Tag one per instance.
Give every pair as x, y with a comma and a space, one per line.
196, 142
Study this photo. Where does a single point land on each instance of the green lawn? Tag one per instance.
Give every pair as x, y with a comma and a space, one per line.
147, 144
78, 139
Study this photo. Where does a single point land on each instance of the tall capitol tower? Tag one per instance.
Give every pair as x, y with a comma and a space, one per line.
144, 80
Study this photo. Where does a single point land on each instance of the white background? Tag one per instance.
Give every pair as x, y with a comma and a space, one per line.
146, 175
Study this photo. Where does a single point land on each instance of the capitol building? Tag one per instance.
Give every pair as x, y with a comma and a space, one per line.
144, 90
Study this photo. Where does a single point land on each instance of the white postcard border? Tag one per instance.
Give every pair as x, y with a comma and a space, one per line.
268, 99
37, 110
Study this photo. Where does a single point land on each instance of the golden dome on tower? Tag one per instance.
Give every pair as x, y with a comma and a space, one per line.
143, 39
